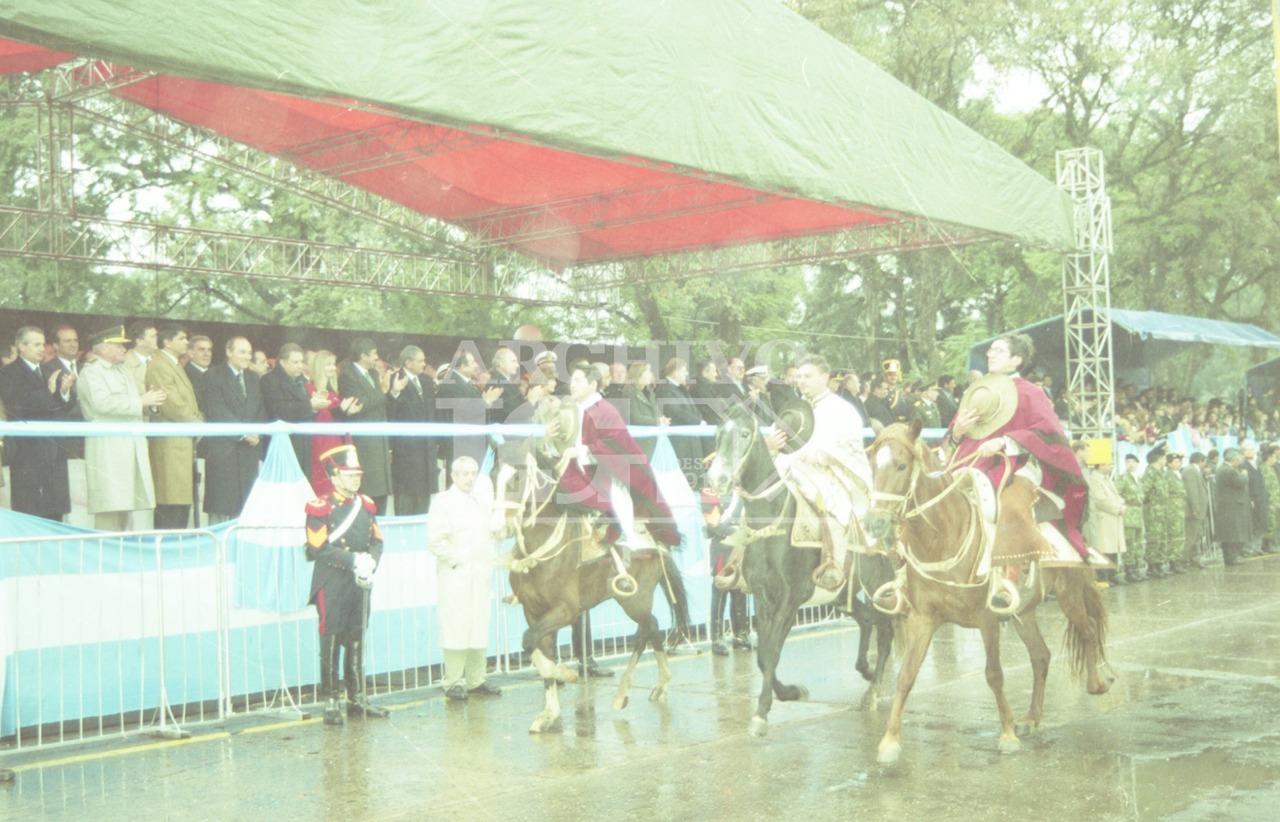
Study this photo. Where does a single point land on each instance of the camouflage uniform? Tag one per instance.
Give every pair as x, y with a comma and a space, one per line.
1272, 481
1176, 517
1134, 534
1155, 496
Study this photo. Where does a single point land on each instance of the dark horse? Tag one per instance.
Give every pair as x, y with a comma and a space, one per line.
780, 576
934, 529
554, 587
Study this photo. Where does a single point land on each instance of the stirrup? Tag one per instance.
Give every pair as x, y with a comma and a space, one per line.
623, 585
889, 599
728, 578
827, 576
1003, 598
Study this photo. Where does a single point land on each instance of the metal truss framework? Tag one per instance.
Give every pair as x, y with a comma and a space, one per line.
1086, 288
477, 262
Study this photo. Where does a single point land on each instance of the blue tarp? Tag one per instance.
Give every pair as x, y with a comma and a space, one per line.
1139, 340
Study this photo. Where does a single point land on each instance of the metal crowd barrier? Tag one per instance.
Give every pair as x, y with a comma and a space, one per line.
108, 635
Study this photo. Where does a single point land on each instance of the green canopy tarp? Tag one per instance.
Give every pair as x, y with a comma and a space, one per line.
576, 130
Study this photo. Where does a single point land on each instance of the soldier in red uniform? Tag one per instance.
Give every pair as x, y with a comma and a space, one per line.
345, 544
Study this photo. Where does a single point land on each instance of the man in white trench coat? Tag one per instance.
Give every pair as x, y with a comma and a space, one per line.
118, 469
458, 534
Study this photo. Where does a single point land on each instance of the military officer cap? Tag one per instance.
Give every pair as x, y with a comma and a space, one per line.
1175, 455
758, 371
342, 459
891, 367
1130, 457
110, 334
544, 357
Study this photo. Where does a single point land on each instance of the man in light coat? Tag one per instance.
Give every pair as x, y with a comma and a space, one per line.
459, 525
118, 468
1197, 513
173, 458
1104, 525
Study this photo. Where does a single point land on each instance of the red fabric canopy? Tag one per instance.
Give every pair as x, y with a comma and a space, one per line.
560, 207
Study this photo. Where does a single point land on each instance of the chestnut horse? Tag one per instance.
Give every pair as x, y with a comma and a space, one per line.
554, 587
943, 584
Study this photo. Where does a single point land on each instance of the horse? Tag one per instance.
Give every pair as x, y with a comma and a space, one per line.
779, 575
554, 587
943, 584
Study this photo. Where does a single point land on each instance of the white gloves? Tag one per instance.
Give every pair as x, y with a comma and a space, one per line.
363, 566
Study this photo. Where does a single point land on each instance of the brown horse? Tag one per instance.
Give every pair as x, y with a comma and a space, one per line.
944, 584
554, 586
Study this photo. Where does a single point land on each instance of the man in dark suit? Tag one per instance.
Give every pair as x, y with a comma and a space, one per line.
1259, 501
674, 402
414, 470
37, 465
284, 393
361, 379
232, 394
199, 358
460, 401
947, 404
66, 359
505, 374
1232, 510
1197, 512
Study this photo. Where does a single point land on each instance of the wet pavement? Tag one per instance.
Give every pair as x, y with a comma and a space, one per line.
1189, 731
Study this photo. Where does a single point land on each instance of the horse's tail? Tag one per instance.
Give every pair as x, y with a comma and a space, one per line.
677, 597
1077, 639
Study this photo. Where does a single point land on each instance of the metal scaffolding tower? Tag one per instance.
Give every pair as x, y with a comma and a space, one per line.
1086, 288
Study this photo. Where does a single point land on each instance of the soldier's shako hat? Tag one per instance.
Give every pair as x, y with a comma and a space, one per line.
342, 459
110, 334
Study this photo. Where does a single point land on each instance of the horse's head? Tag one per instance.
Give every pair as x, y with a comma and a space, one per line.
736, 438
898, 458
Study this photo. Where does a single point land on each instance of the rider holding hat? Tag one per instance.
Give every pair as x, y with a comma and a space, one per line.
1002, 415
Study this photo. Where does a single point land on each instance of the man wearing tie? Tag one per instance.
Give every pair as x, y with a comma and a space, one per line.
362, 380
143, 333
413, 459
66, 359
284, 393
173, 458
37, 465
232, 394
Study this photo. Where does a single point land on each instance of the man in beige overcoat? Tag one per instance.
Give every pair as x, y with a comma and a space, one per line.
1104, 522
172, 457
117, 468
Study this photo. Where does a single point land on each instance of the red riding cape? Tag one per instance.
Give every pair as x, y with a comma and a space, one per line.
617, 455
1035, 427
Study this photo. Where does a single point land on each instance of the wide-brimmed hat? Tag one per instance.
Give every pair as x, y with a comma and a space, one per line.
795, 419
566, 413
993, 398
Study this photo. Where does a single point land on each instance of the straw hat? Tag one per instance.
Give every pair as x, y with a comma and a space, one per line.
993, 398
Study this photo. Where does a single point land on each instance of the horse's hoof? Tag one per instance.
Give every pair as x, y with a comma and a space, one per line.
543, 722
1027, 726
1099, 688
863, 669
802, 692
759, 726
889, 753
1008, 745
658, 694
621, 701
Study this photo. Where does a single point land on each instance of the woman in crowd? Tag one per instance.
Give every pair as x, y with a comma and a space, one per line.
641, 407
324, 381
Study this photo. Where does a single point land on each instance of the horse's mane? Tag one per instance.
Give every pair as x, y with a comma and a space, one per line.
901, 433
